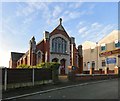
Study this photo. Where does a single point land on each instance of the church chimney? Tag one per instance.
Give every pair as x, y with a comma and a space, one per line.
32, 51
72, 40
46, 35
80, 50
33, 44
47, 46
80, 58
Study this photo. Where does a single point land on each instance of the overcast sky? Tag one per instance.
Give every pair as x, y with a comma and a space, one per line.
83, 20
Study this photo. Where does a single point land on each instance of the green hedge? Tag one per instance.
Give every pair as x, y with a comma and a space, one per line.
23, 66
52, 65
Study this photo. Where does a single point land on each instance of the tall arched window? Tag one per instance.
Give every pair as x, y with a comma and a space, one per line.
59, 45
39, 57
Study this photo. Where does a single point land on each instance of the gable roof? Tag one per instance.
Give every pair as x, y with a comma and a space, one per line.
16, 56
60, 30
40, 45
60, 27
40, 42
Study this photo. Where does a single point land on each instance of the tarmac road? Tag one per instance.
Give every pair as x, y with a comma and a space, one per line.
101, 90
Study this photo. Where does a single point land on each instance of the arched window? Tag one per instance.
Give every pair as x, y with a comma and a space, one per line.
39, 57
59, 45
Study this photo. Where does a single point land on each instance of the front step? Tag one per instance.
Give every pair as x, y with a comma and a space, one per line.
63, 78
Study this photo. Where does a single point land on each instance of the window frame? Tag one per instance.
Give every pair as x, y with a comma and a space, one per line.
103, 46
93, 62
103, 63
59, 45
117, 44
39, 56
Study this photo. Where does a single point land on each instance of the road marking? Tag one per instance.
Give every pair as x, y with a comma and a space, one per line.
60, 88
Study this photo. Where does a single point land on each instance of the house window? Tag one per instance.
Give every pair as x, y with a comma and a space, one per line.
39, 57
103, 47
84, 64
21, 61
88, 65
103, 63
59, 45
92, 50
18, 63
93, 64
117, 43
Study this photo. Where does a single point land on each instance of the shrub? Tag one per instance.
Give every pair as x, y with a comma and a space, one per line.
52, 65
23, 66
41, 65
55, 65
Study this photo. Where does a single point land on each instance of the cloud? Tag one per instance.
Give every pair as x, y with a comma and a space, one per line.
29, 11
96, 25
90, 9
24, 12
11, 28
28, 20
50, 12
95, 31
41, 9
81, 23
29, 8
73, 14
75, 5
82, 30
92, 6
84, 34
57, 10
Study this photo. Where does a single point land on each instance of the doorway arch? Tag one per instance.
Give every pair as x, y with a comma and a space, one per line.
62, 66
55, 60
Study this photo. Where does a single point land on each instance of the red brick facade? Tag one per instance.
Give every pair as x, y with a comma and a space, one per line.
43, 50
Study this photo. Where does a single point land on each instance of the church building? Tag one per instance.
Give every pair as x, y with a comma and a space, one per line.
56, 46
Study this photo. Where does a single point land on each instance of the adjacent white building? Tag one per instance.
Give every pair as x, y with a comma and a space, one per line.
102, 54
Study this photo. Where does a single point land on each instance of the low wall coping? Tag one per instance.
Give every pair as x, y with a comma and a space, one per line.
94, 74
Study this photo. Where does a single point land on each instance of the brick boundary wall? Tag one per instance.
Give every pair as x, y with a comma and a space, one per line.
95, 77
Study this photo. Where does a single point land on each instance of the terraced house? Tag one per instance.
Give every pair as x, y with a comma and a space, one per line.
56, 46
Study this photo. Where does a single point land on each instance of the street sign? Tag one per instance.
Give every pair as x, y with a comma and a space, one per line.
111, 60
